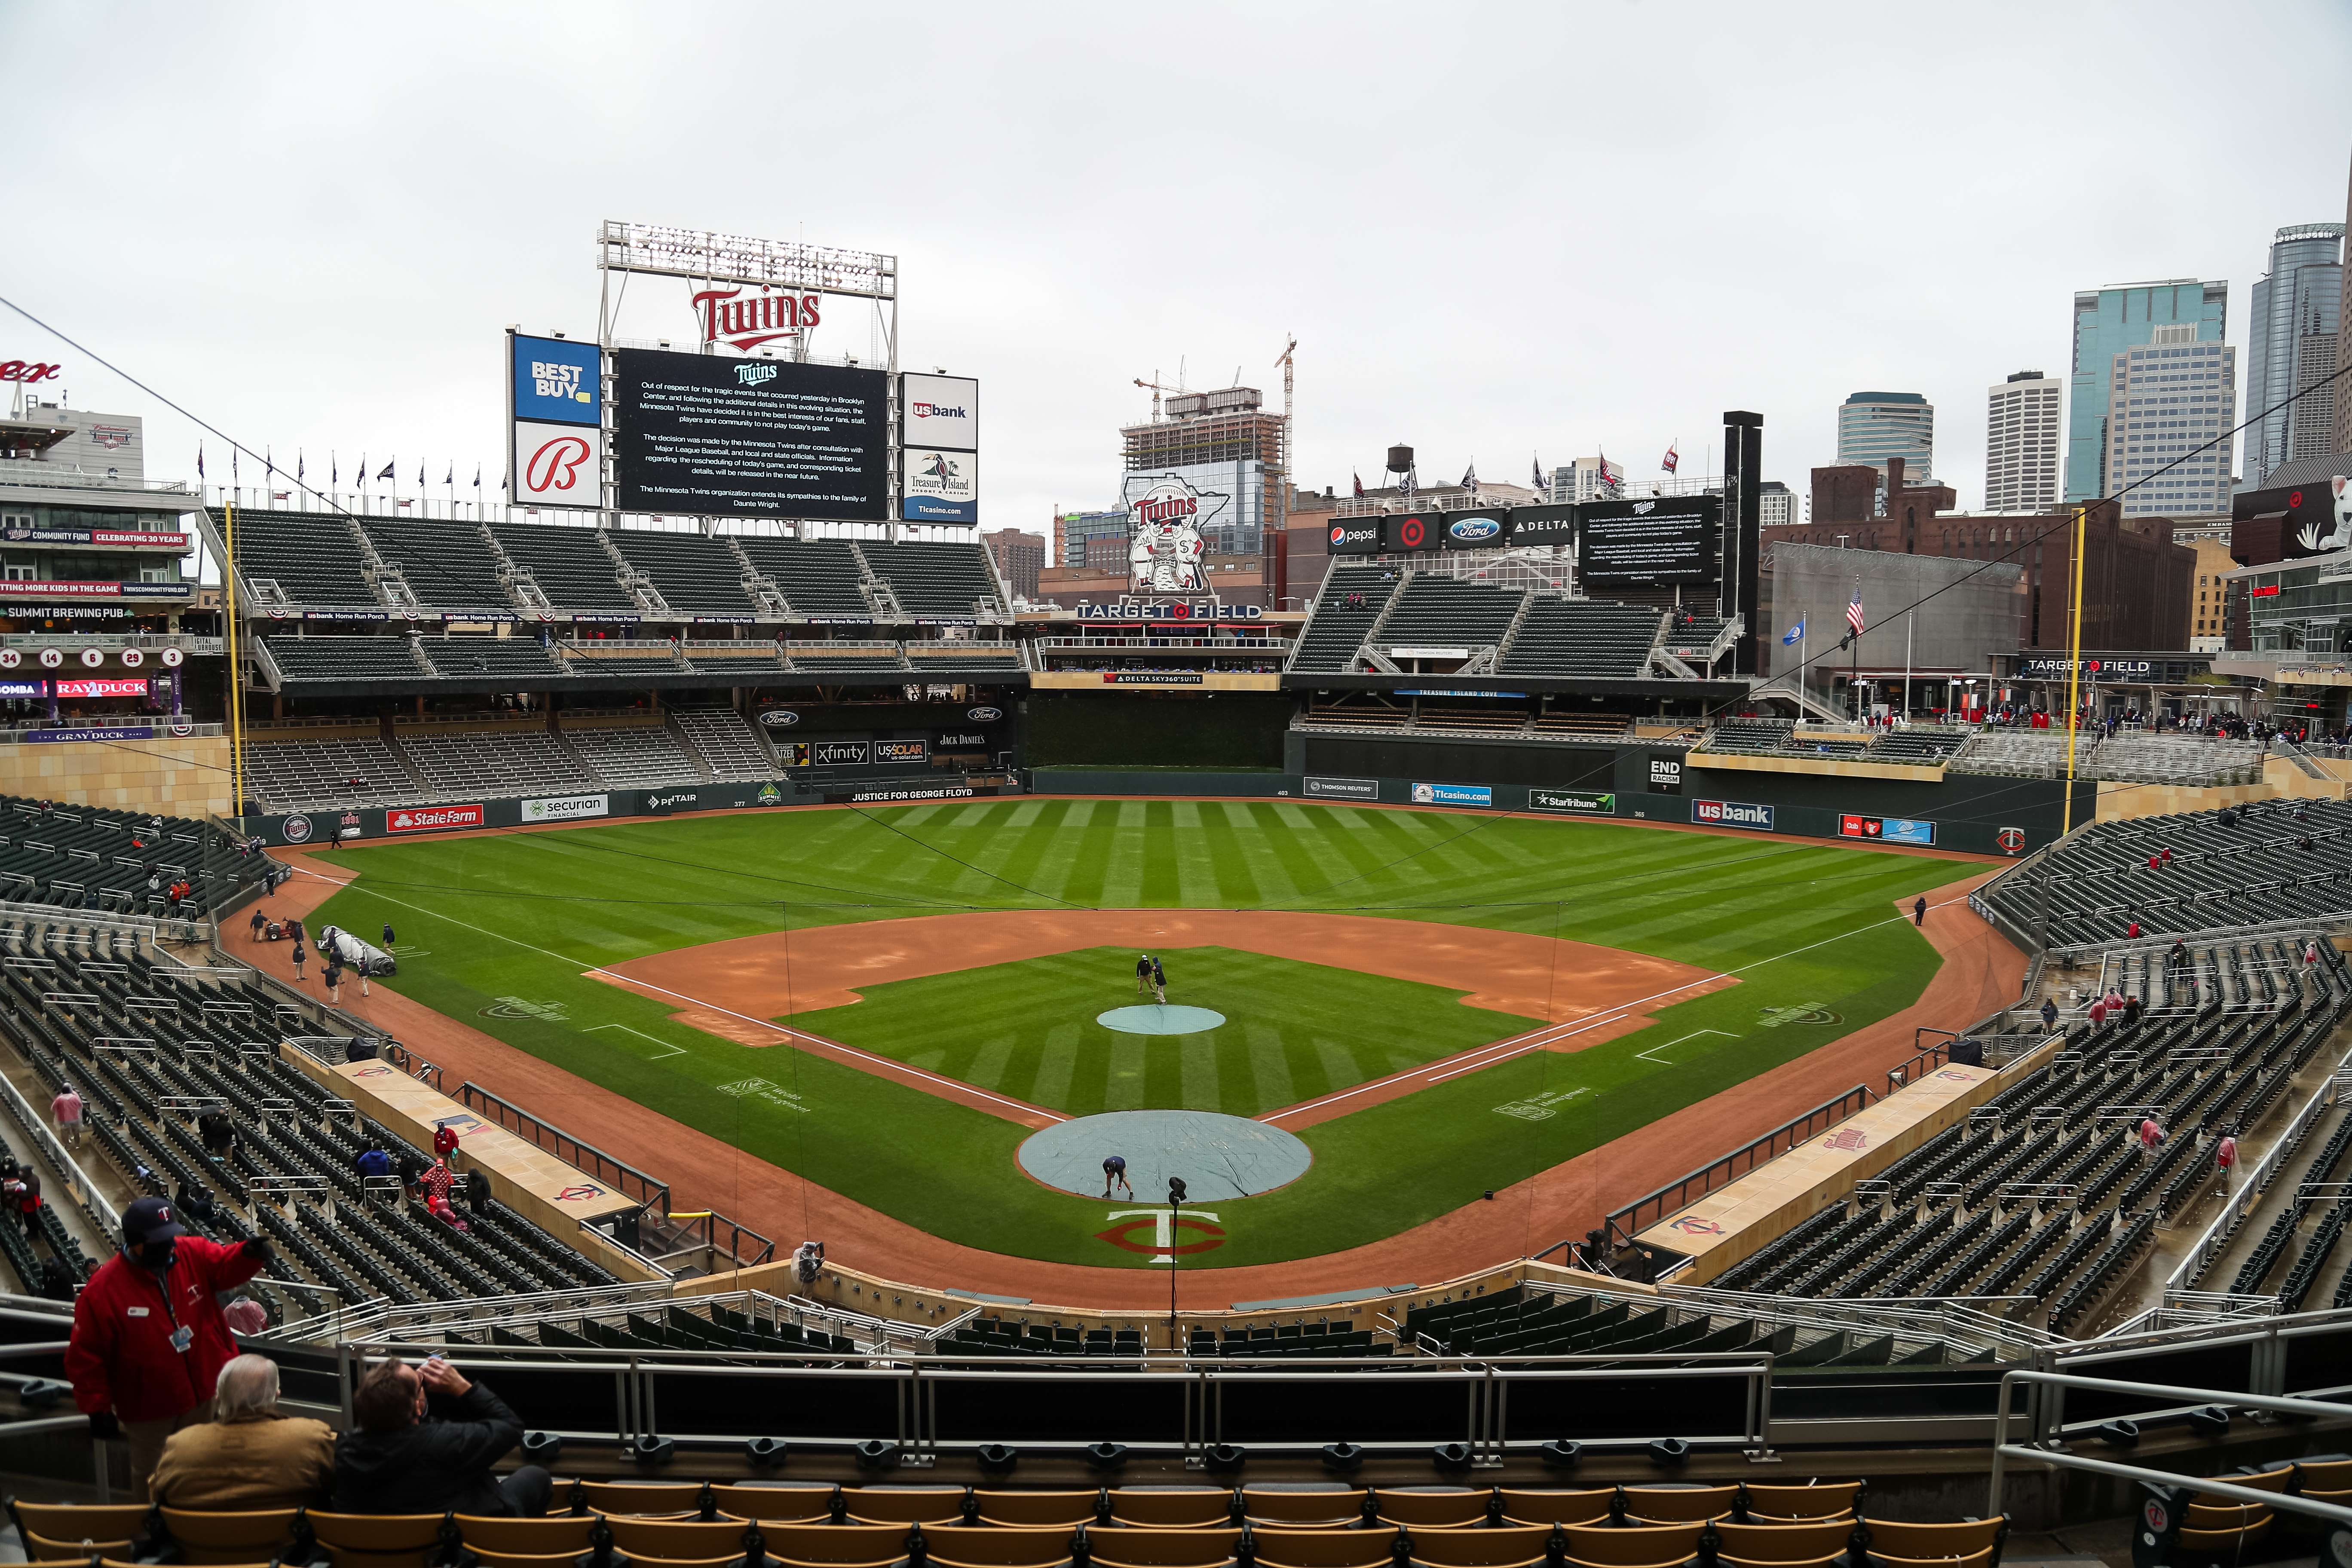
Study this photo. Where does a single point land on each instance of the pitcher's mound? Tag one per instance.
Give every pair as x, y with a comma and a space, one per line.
1219, 1157
1160, 1018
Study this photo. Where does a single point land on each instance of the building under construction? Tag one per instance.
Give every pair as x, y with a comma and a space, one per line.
1224, 438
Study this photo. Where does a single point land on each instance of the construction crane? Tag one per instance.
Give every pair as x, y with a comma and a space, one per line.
1157, 387
1281, 552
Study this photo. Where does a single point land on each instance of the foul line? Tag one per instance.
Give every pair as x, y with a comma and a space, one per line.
668, 1049
625, 981
1536, 1039
1652, 1054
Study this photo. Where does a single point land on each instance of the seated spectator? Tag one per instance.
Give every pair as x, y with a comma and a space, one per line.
249, 1455
373, 1161
424, 1441
246, 1316
439, 1209
436, 1182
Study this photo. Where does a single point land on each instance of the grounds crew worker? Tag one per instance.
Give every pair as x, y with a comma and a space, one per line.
149, 1340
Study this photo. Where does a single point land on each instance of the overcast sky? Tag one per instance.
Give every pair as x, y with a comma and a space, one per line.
1497, 232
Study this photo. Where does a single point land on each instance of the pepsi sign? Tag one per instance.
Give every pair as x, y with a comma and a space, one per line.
1361, 537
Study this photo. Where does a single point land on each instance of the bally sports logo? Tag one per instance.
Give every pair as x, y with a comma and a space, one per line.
431, 819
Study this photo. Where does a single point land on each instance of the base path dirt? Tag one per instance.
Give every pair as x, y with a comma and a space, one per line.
1981, 973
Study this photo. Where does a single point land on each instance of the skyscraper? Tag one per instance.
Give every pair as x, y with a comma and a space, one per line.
2021, 444
1875, 426
2169, 405
2112, 321
2291, 344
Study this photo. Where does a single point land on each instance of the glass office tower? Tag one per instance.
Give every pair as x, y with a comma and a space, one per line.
2109, 322
2291, 344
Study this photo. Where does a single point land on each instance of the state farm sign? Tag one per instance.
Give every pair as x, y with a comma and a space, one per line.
431, 819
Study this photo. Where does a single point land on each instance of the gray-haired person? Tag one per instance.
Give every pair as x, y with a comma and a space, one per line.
250, 1455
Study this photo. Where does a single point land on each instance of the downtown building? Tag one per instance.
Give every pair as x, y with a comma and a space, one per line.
2170, 407
2292, 344
2022, 443
2113, 320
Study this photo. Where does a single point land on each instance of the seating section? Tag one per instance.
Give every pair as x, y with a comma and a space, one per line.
816, 576
313, 559
633, 756
2047, 1192
1587, 637
1562, 1322
695, 574
307, 775
2025, 753
1351, 600
935, 580
490, 763
347, 659
448, 565
727, 743
120, 862
568, 563
1446, 610
1926, 746
2270, 862
818, 659
2198, 760
954, 658
151, 1044
475, 658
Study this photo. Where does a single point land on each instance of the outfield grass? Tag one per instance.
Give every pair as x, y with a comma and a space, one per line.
1293, 1031
522, 915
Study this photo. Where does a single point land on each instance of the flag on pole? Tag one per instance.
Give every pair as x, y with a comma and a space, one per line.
1853, 612
1611, 474
232, 466
478, 476
300, 468
269, 462
1673, 459
1405, 488
420, 476
334, 469
1359, 485
387, 469
1794, 635
1470, 477
1541, 488
200, 462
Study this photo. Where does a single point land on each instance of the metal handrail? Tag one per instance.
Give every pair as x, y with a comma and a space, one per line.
1626, 1223
2249, 1194
618, 1173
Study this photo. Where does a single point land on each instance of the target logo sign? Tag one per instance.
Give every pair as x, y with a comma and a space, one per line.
1411, 532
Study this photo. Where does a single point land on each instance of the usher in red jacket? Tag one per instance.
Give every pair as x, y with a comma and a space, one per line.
121, 1356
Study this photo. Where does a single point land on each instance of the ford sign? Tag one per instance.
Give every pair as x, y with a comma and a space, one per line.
1471, 530
780, 717
983, 715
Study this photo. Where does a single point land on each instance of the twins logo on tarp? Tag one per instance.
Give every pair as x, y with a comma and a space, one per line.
1163, 1232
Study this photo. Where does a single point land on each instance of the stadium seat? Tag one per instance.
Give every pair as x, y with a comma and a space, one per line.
1814, 1545
1433, 1507
1558, 1507
1678, 1505
1511, 1546
244, 1536
1975, 1544
59, 1531
1789, 1505
1115, 1546
835, 1545
1643, 1546
684, 1540
377, 1540
1324, 1548
562, 1535
646, 1500
776, 1504
1293, 1510
904, 1505
1038, 1510
1170, 1508
979, 1546
2325, 1480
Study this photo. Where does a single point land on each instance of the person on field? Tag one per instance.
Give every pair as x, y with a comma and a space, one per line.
259, 922
387, 936
332, 977
1143, 975
1919, 912
1115, 1172
298, 956
1158, 984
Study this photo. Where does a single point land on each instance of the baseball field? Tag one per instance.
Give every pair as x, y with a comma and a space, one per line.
890, 1002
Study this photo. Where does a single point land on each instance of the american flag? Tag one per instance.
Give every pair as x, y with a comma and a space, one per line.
1611, 474
1853, 612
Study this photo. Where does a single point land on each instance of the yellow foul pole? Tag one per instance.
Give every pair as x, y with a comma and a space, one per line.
2074, 675
236, 672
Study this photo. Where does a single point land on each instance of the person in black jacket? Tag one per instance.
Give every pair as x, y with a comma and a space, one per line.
425, 1440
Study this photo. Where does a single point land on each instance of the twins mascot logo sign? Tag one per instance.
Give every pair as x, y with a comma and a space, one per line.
1163, 540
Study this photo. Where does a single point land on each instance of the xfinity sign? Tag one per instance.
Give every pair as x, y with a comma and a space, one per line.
1732, 813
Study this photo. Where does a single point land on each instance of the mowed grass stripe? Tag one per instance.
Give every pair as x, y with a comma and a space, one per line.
1715, 902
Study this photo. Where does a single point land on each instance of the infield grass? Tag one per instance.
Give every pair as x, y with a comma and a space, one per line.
519, 916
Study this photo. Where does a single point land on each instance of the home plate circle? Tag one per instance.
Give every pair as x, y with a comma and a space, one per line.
1160, 1018
1219, 1157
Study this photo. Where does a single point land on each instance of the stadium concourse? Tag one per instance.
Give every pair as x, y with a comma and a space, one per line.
1978, 974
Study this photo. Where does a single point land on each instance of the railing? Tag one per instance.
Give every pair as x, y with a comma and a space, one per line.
2179, 1293
84, 1192
1950, 1319
616, 1174
98, 637
37, 475
1626, 1223
154, 724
